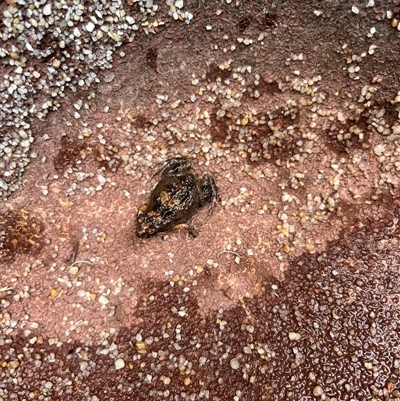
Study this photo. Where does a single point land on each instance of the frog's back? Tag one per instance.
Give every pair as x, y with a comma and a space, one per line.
175, 199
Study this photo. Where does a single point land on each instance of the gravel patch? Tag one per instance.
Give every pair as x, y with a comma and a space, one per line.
290, 290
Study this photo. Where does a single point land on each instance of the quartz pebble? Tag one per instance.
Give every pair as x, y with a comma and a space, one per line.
103, 300
90, 27
293, 336
119, 364
318, 391
47, 9
234, 363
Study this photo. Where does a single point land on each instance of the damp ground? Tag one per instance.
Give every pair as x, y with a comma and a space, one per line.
290, 291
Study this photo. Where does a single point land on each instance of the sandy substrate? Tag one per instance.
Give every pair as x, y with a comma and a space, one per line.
290, 291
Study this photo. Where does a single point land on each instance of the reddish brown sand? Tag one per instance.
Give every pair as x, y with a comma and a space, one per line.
290, 291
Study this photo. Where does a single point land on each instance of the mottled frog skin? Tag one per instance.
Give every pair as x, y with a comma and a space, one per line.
175, 199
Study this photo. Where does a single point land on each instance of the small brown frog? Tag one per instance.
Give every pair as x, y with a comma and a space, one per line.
175, 199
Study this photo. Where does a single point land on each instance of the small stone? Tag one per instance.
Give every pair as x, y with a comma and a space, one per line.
25, 144
56, 63
114, 36
103, 300
102, 180
47, 9
119, 364
318, 391
293, 336
379, 149
234, 364
340, 116
179, 3
396, 129
73, 269
13, 364
141, 346
109, 78
83, 366
355, 9
77, 32
90, 27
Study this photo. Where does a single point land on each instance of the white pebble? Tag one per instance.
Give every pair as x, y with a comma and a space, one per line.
83, 366
47, 9
103, 300
355, 9
101, 179
371, 49
90, 27
379, 149
48, 385
340, 116
25, 144
119, 364
317, 391
77, 32
293, 336
234, 363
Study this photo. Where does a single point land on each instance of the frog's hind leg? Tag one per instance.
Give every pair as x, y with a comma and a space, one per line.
190, 229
